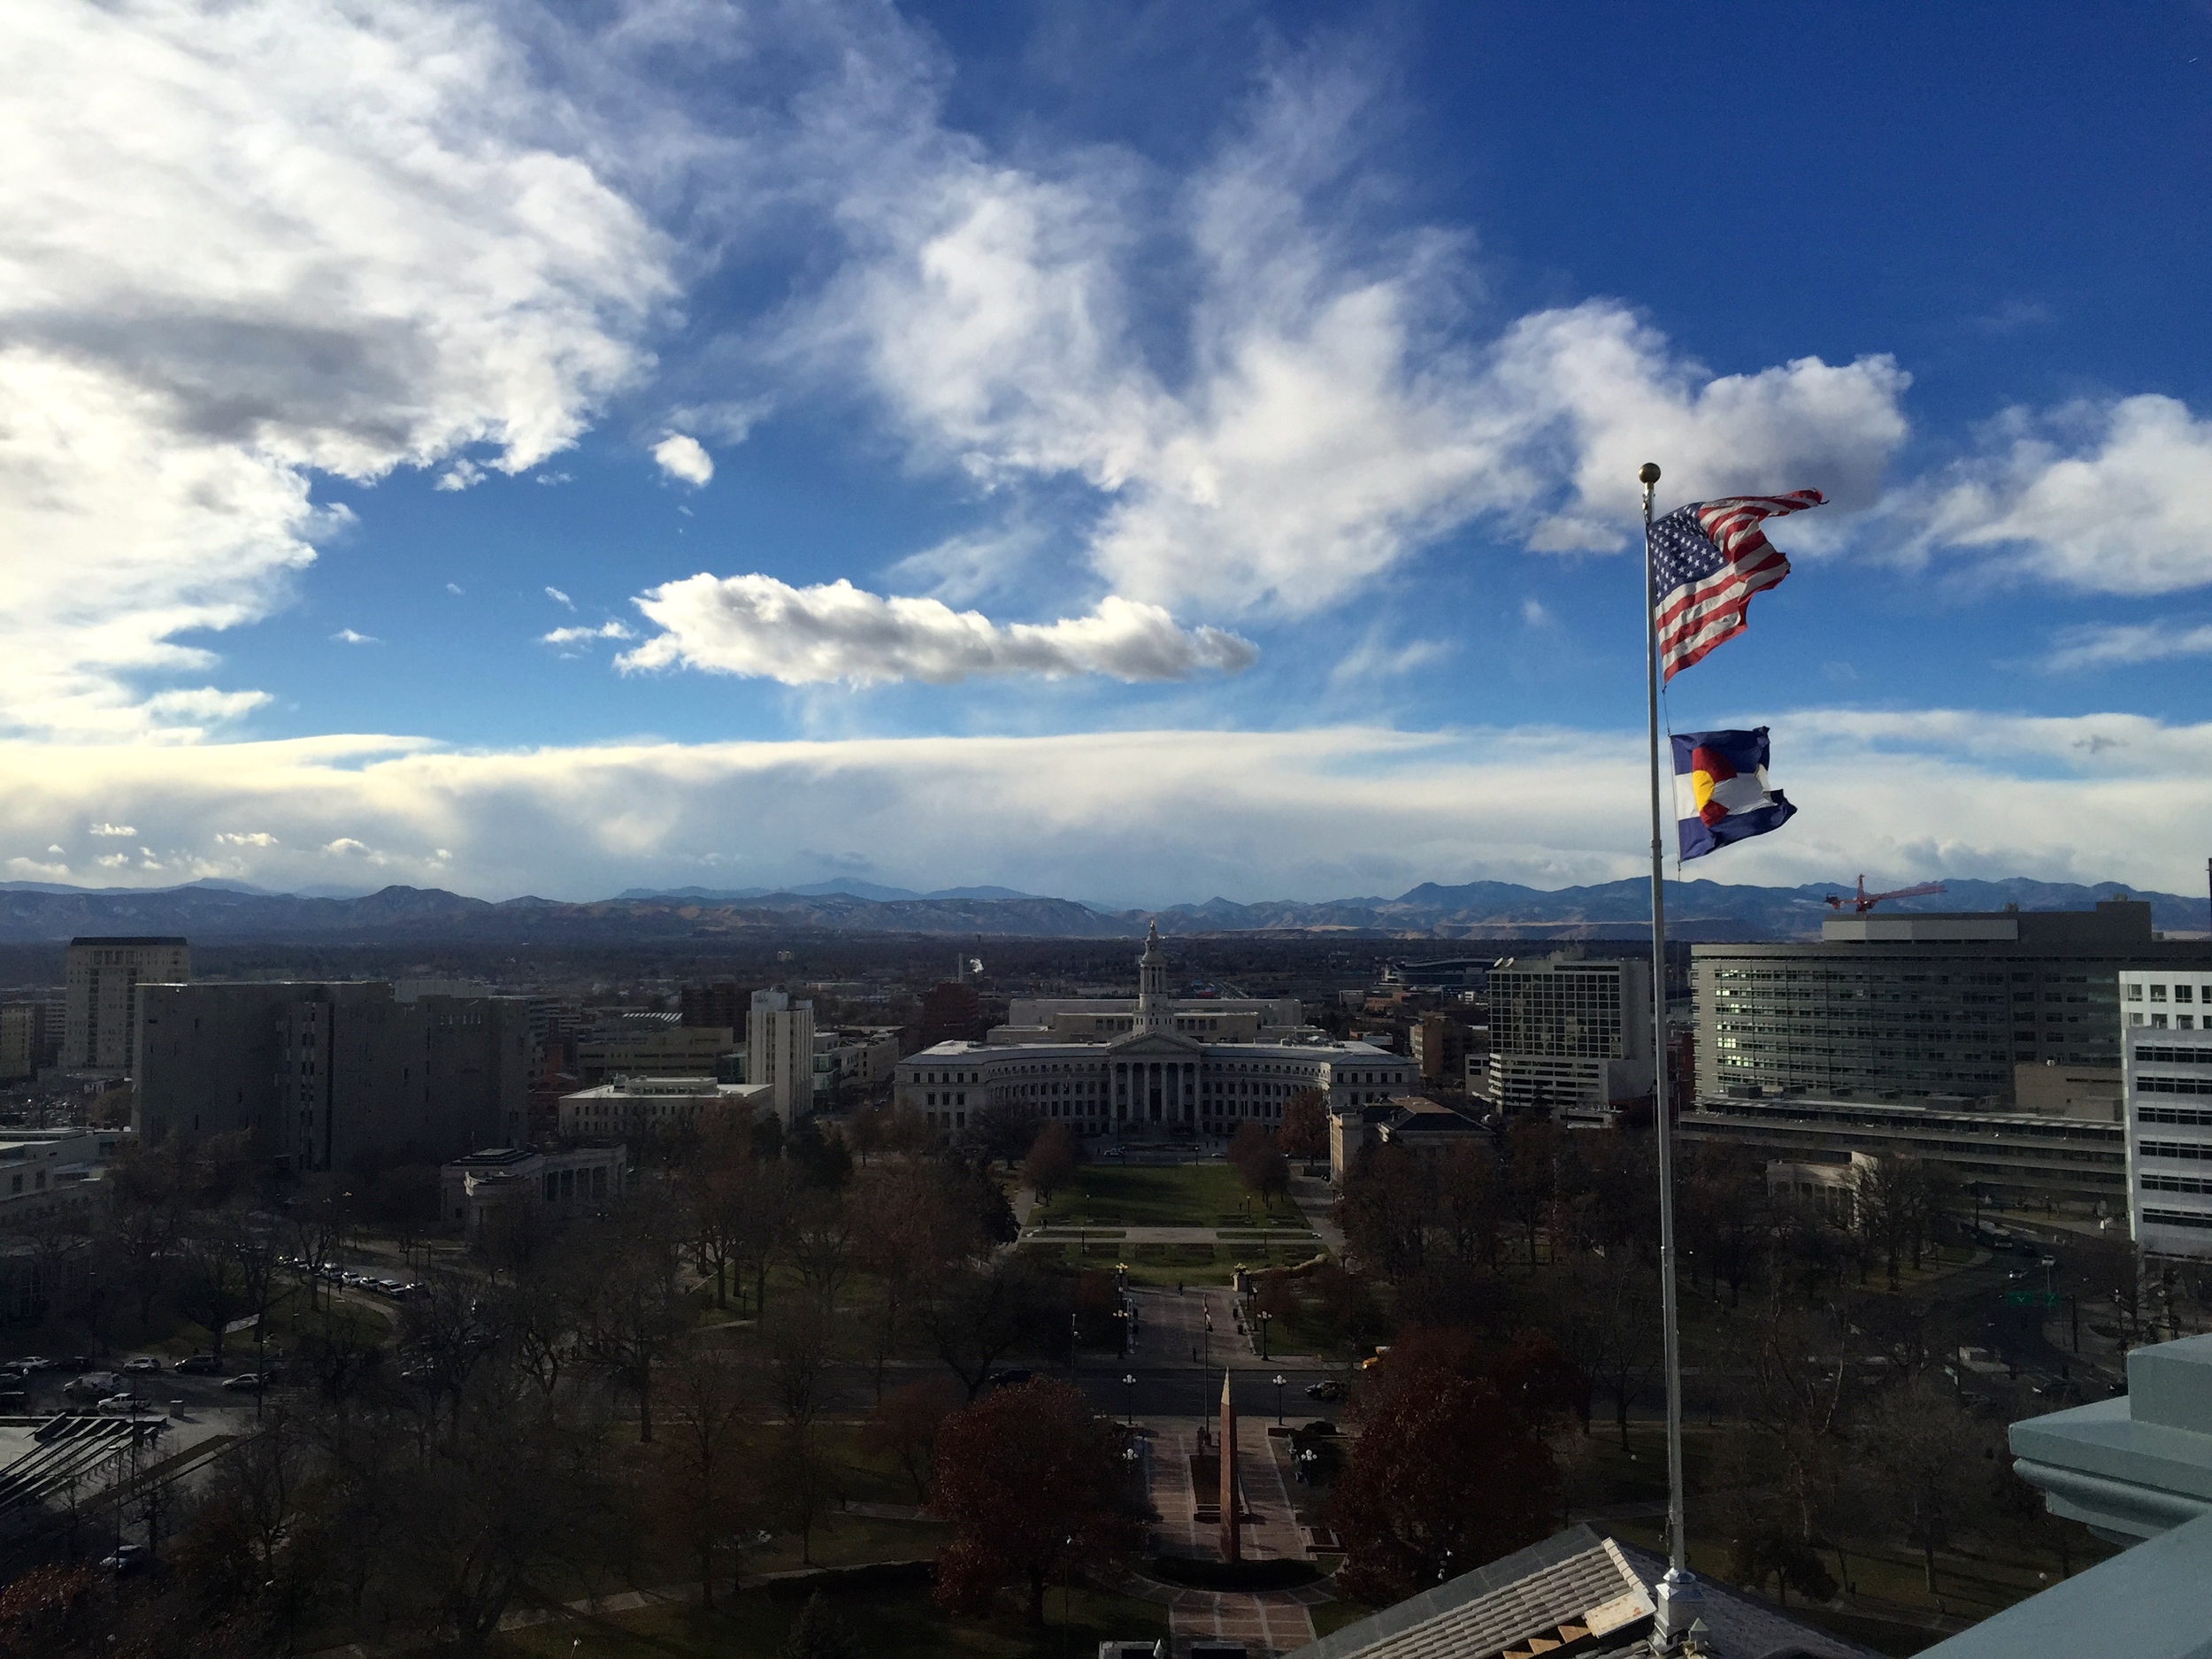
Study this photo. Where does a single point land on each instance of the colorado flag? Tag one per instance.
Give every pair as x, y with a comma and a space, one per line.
1720, 790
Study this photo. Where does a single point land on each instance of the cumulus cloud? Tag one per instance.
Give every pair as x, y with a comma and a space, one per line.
1327, 417
2111, 497
245, 838
1159, 815
118, 830
325, 238
758, 625
2124, 645
684, 458
348, 636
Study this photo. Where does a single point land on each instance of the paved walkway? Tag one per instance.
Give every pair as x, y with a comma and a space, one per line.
1277, 1620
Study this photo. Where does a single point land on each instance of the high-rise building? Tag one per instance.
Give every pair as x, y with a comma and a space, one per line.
329, 1076
779, 1052
1440, 1048
952, 1012
1923, 1007
2167, 1059
721, 1003
1570, 1037
100, 1030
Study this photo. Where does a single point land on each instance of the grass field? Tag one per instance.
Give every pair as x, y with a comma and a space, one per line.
1144, 1196
1180, 1263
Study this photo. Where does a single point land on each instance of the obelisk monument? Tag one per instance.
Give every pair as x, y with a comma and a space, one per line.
1231, 1547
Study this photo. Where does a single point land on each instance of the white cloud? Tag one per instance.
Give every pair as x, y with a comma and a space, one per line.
684, 458
247, 838
454, 589
1325, 418
2113, 497
760, 626
348, 636
2124, 645
120, 831
607, 630
286, 236
1168, 815
463, 474
1533, 614
559, 598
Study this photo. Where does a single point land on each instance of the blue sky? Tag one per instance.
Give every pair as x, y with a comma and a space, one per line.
453, 424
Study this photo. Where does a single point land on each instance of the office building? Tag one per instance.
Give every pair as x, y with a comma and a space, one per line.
1440, 1048
779, 1052
2011, 1157
100, 1028
1571, 1038
1906, 1007
952, 1012
332, 1076
638, 1108
22, 1040
656, 1044
720, 1004
849, 1057
1151, 1066
2167, 1068
54, 1172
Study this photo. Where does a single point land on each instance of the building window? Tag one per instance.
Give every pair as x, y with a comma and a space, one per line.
2158, 994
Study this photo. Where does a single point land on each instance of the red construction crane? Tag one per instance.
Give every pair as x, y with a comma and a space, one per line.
1866, 901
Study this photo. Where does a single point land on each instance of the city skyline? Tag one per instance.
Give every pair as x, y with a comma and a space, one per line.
1107, 453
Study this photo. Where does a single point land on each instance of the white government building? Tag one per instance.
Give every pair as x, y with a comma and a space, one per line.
1149, 1066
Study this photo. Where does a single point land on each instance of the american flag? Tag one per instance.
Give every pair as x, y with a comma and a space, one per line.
1707, 560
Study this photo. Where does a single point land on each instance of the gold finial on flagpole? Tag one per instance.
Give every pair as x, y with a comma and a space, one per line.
1648, 474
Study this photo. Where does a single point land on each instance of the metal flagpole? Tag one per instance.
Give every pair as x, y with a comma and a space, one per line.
1677, 1592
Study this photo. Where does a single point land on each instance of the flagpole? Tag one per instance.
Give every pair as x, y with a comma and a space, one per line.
1678, 1595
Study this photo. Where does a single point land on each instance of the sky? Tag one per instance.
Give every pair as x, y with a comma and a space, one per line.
1134, 453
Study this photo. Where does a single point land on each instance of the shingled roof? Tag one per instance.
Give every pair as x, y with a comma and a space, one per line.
1576, 1595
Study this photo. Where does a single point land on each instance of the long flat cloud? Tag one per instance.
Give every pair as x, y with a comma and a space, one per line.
756, 626
1149, 815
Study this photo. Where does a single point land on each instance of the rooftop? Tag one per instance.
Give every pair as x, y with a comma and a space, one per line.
1575, 1588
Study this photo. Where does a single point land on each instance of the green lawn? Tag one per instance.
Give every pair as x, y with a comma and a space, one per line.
1179, 1264
905, 1621
1143, 1195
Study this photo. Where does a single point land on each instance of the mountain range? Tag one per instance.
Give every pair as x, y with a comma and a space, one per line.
213, 911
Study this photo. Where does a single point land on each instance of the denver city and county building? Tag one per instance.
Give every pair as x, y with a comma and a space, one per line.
1153, 1066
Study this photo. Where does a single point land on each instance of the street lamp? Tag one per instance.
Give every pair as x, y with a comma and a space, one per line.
1279, 1397
1266, 1319
1129, 1397
1122, 1314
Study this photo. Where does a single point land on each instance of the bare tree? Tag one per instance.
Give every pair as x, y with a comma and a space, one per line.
703, 1457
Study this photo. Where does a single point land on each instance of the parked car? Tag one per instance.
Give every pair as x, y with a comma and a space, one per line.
96, 1385
118, 1403
247, 1382
1328, 1389
200, 1364
142, 1362
127, 1558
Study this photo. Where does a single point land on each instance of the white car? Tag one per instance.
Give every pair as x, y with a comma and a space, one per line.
142, 1362
118, 1402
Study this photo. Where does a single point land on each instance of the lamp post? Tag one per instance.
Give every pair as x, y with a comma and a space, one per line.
1129, 1396
1266, 1319
1279, 1397
1121, 1317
